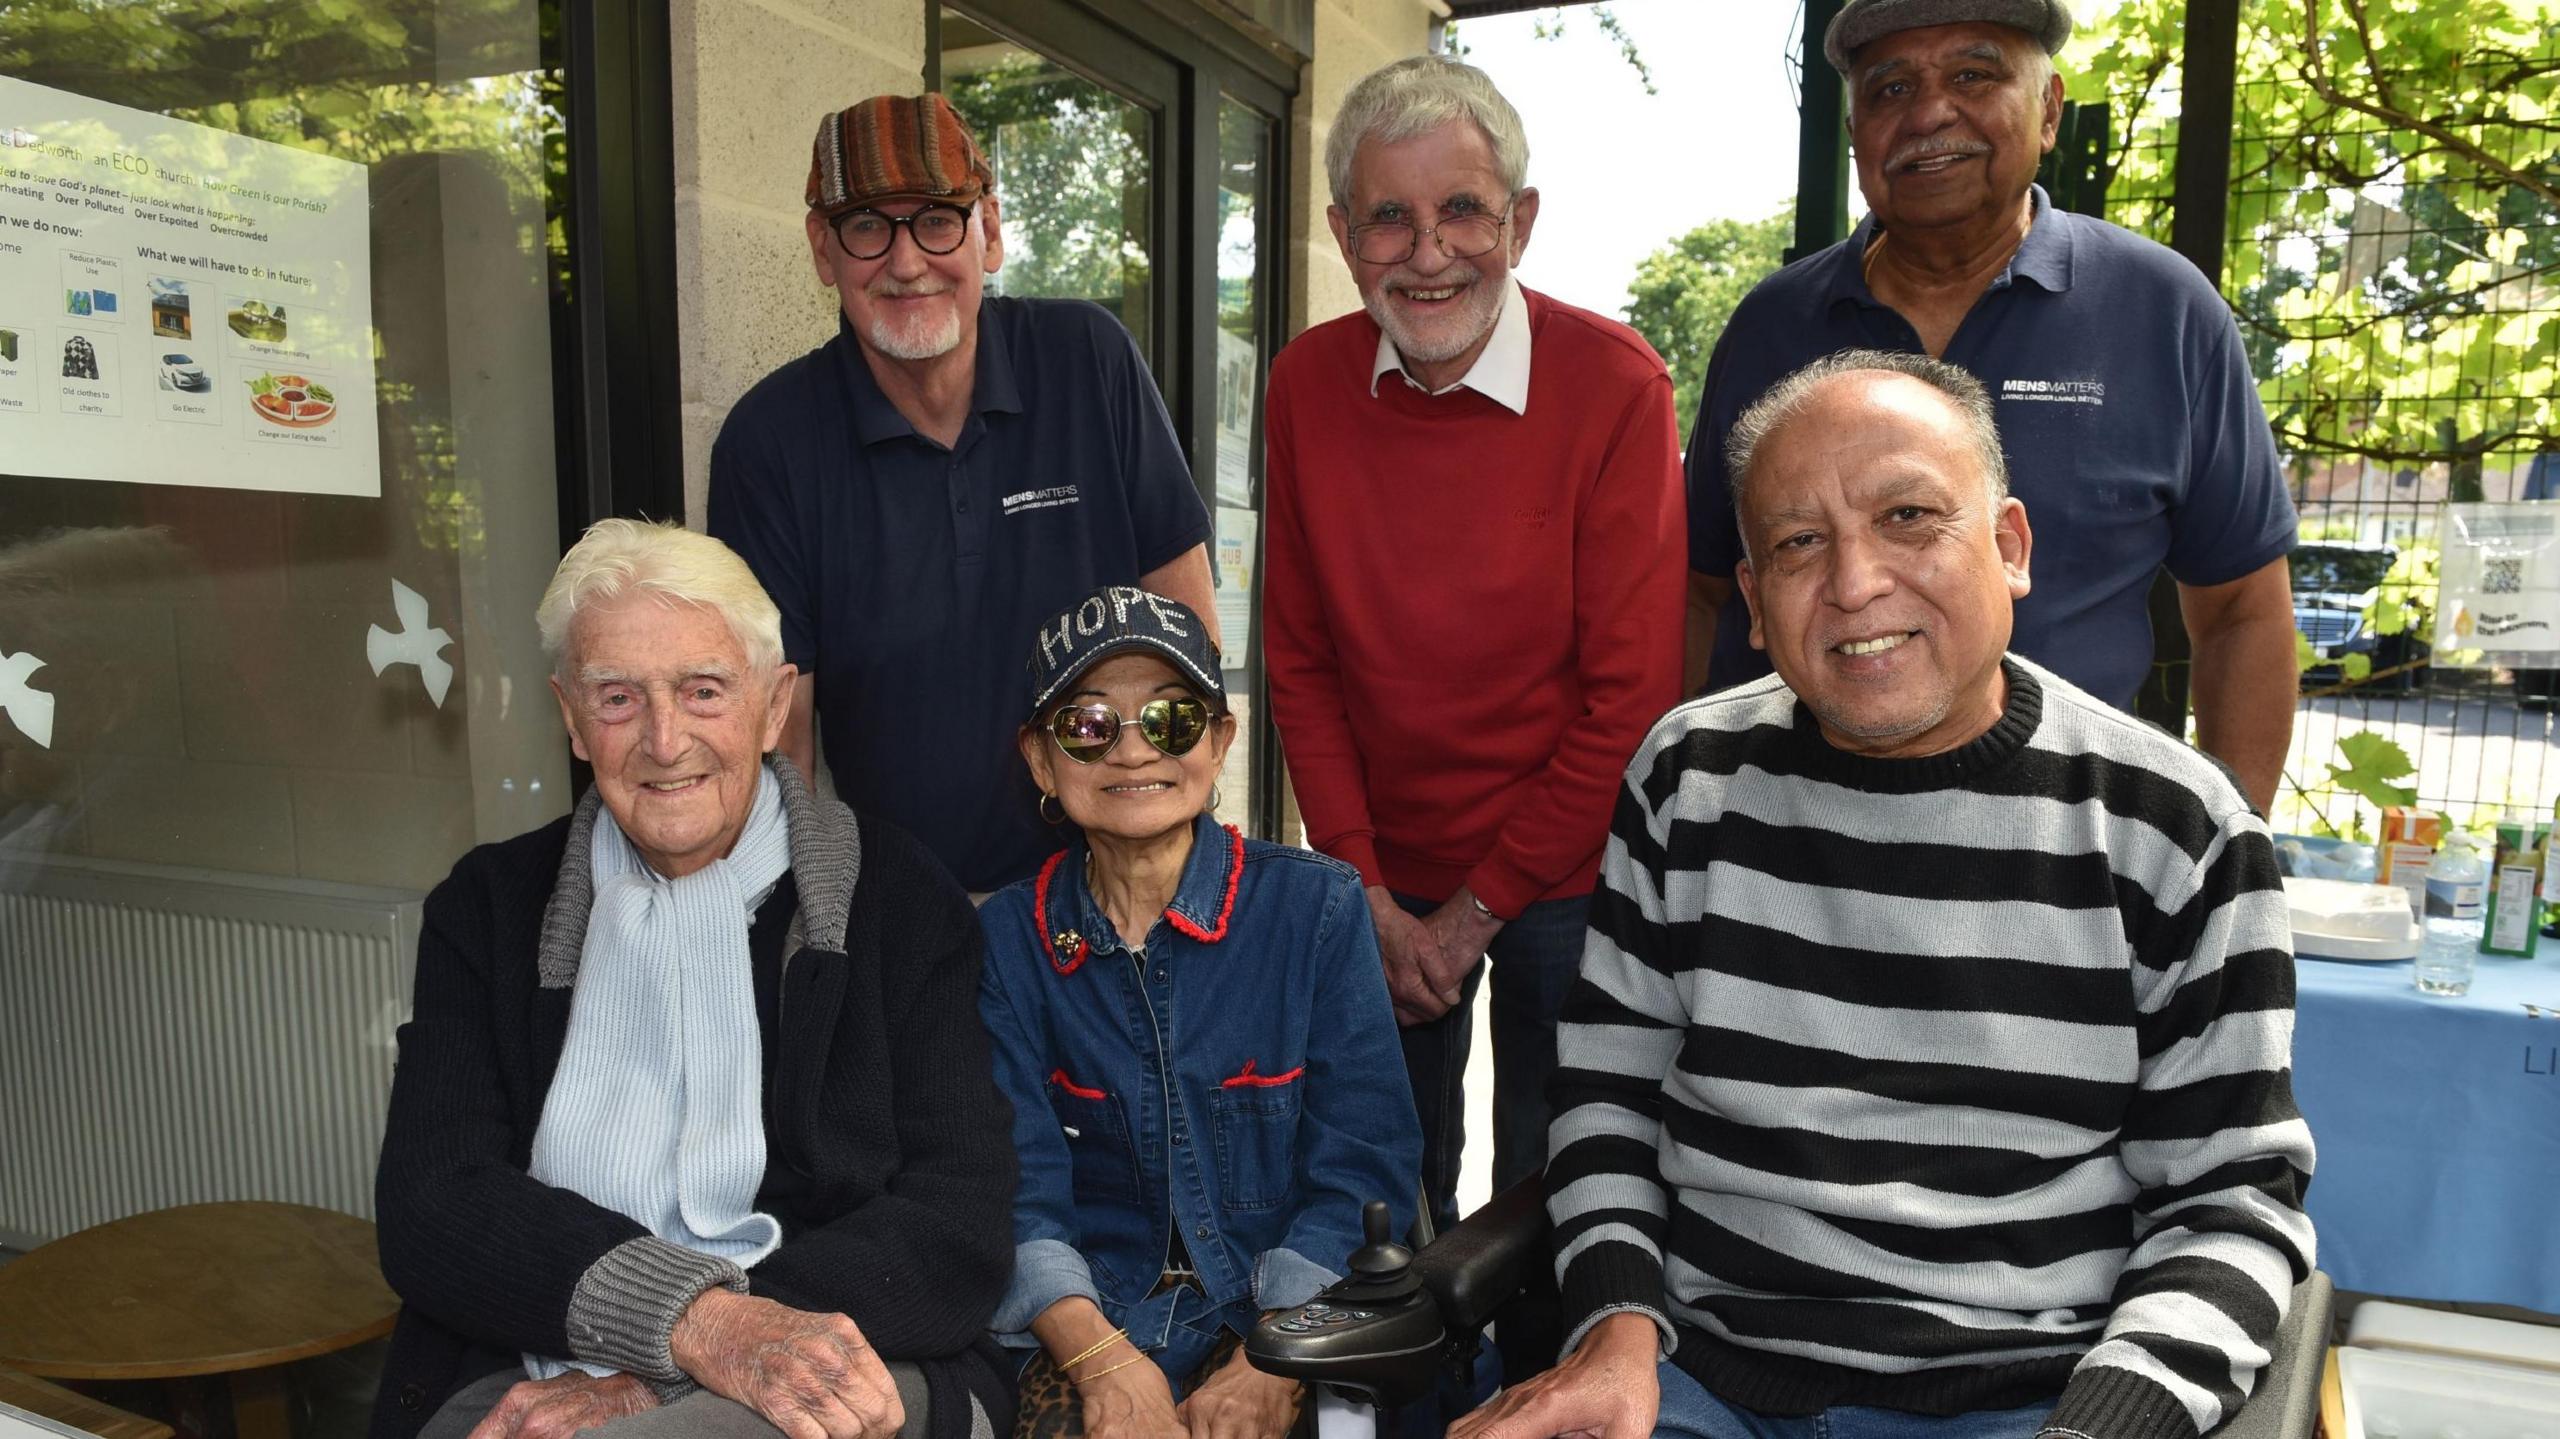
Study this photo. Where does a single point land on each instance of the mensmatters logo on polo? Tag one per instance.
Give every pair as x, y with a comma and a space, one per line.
2059, 392
1048, 499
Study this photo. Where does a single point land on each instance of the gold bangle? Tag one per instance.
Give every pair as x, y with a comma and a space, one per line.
1114, 1337
1140, 1358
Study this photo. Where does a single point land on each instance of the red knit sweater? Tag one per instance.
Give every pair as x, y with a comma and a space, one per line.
1472, 616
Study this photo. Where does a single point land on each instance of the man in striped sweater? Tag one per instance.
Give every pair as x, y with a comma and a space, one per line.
1929, 1069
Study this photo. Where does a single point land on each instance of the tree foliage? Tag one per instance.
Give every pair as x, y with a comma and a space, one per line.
2394, 214
1684, 293
1071, 158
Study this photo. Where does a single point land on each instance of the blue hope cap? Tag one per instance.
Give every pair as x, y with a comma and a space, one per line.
1115, 620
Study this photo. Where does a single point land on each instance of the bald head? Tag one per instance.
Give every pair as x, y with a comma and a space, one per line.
1792, 398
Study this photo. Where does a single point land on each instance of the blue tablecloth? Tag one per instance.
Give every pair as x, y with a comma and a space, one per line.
2438, 1122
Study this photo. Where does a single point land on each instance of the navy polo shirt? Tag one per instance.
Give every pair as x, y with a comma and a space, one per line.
913, 579
2125, 405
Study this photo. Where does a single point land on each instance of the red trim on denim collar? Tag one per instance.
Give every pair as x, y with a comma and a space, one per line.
1235, 874
1249, 1079
1040, 920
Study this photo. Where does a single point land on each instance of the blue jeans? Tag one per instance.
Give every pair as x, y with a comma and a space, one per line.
1534, 961
1690, 1412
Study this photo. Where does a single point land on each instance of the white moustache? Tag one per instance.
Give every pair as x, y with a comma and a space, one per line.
1910, 150
1456, 275
897, 290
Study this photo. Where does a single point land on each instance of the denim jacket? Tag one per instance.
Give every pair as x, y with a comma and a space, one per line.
1240, 1079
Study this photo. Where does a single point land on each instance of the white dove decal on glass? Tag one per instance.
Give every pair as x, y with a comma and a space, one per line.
416, 644
29, 708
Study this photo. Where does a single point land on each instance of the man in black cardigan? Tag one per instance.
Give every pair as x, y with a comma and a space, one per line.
880, 1174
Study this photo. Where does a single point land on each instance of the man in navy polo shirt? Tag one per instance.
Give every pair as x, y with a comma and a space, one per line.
921, 492
2133, 428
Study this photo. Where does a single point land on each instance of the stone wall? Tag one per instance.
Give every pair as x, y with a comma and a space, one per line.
1353, 37
752, 77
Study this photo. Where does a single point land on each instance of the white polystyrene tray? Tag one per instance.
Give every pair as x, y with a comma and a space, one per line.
2392, 1395
2341, 919
2381, 1325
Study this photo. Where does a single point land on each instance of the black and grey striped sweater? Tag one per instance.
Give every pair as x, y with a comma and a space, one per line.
1940, 1084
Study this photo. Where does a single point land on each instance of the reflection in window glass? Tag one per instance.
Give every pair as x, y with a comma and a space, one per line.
1244, 165
1073, 167
277, 718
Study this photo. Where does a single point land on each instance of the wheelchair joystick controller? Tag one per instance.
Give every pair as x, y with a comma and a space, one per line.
1382, 1267
1373, 1335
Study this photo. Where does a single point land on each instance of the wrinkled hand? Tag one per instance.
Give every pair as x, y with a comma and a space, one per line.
1406, 949
812, 1376
1606, 1389
1134, 1402
558, 1408
1459, 933
1240, 1402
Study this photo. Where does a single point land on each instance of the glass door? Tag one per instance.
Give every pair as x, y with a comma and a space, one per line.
1075, 160
1138, 161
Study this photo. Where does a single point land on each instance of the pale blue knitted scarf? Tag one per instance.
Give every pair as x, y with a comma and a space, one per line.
656, 1111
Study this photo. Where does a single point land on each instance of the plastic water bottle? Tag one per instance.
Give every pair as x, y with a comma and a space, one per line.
2457, 897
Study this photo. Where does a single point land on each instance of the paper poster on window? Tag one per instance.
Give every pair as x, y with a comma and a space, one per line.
2499, 579
1235, 419
1235, 560
180, 305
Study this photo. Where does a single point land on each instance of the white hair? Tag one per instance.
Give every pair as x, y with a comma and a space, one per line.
670, 563
1415, 97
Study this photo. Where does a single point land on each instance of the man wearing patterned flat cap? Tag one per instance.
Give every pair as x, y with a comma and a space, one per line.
2132, 424
949, 471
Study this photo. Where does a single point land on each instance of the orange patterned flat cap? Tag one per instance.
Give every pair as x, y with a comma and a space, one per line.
907, 147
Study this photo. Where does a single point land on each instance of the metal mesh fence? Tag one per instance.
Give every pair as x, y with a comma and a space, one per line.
2400, 298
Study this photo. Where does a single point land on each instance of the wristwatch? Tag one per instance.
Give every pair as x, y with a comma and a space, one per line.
1486, 910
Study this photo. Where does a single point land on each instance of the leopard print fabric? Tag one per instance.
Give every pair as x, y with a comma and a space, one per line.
1049, 1408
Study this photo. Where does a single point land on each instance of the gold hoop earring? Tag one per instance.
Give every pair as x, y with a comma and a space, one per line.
1047, 799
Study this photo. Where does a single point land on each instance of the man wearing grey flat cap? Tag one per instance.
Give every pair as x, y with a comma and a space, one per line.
2124, 398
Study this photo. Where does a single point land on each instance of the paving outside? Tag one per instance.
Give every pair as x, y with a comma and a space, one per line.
2474, 746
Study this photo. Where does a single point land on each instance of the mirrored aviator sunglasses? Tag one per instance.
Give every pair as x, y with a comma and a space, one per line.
1085, 733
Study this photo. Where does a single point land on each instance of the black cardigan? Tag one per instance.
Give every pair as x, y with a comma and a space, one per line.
883, 1101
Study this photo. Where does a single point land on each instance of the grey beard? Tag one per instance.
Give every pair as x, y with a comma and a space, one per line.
1484, 309
887, 339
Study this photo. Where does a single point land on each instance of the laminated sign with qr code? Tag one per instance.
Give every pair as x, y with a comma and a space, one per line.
2499, 581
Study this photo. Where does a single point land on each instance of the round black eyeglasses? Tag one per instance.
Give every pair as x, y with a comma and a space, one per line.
936, 229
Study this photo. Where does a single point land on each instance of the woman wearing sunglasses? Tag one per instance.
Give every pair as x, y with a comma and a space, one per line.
1195, 1034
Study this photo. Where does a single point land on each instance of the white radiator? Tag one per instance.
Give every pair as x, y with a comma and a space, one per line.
175, 1036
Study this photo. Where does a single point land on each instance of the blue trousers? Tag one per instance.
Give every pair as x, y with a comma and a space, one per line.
1690, 1412
1533, 960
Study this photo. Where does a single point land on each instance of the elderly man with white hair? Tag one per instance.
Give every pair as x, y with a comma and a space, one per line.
1929, 1074
1474, 600
695, 1130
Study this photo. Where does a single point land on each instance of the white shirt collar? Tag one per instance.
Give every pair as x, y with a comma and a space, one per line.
1501, 370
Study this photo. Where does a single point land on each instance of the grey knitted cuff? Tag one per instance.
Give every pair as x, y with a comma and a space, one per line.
625, 1308
670, 1392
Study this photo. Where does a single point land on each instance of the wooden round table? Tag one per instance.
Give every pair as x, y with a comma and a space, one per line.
233, 1289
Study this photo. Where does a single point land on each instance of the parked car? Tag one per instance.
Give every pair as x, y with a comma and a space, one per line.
2333, 581
181, 372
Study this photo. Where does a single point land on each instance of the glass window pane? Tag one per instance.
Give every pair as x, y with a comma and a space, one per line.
282, 592
1244, 173
1074, 166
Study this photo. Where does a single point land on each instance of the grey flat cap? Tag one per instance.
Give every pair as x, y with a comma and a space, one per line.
1859, 21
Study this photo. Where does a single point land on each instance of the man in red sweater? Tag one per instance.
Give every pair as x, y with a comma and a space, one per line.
1474, 564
